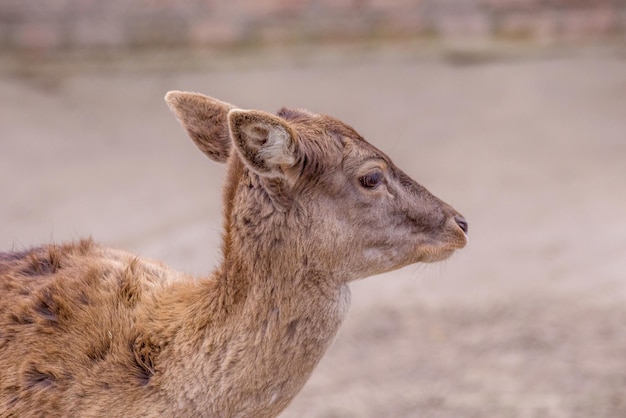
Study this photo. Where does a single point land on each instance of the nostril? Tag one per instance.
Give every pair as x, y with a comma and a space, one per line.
461, 222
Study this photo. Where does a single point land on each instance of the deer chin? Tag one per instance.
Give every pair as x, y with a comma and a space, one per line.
436, 255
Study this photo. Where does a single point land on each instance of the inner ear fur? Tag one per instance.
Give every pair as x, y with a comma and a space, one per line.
206, 121
266, 143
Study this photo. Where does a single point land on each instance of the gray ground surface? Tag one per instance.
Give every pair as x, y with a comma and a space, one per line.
527, 321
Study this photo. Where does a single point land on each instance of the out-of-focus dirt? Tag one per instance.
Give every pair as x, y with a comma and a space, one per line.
527, 321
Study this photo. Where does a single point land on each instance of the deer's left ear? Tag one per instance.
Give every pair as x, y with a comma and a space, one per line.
266, 143
204, 119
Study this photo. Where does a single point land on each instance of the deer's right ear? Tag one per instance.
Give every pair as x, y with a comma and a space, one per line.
206, 121
266, 143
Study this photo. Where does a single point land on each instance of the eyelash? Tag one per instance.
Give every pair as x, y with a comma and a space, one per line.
372, 180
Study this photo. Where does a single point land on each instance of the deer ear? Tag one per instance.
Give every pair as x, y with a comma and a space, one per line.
206, 122
266, 143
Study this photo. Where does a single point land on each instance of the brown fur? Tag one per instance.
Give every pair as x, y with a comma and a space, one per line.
90, 331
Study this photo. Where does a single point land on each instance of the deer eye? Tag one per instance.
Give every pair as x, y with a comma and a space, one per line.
372, 180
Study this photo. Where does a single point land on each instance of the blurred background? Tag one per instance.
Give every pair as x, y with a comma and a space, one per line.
513, 111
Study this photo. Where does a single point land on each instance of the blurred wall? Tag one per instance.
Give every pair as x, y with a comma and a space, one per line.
51, 25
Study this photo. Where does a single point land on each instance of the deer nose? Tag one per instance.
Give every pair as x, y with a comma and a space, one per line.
461, 222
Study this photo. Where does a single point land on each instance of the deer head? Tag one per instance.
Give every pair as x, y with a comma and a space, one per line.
306, 191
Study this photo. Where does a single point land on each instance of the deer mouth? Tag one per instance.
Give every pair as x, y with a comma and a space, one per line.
453, 239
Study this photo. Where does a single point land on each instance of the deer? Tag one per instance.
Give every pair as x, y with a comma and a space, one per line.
308, 207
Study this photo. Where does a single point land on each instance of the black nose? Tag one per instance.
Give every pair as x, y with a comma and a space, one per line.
461, 222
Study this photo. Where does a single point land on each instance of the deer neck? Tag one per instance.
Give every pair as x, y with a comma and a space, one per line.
286, 285
266, 256
258, 353
268, 313
286, 324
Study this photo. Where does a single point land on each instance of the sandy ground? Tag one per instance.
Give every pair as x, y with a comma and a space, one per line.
527, 321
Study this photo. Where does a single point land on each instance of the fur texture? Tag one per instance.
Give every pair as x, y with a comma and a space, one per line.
309, 206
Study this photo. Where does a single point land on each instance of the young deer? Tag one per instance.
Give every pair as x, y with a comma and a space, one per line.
309, 206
